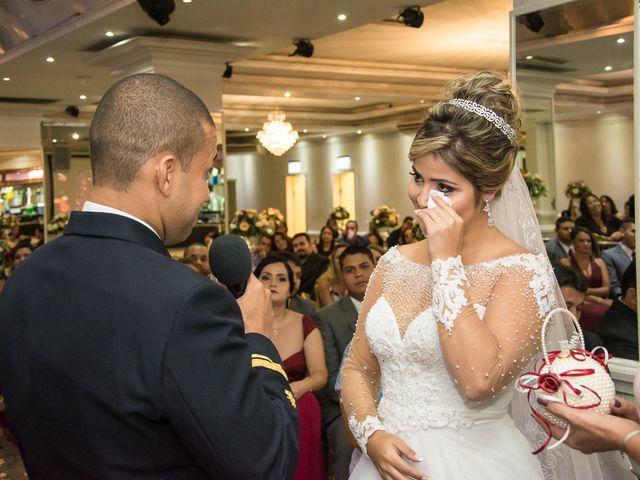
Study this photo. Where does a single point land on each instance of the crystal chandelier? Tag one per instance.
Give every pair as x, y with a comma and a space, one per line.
277, 136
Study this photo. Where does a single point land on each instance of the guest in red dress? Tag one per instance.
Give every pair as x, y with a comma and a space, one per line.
584, 259
299, 343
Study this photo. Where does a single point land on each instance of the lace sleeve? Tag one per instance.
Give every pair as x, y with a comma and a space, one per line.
361, 373
484, 355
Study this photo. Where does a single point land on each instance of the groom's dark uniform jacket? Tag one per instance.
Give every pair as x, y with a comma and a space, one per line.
117, 362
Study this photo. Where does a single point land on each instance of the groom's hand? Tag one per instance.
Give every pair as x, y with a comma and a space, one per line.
386, 451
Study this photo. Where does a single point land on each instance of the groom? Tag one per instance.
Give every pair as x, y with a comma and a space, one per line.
117, 362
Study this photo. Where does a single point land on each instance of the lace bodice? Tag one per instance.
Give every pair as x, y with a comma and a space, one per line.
408, 343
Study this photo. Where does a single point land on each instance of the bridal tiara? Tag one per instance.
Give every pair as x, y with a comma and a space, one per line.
489, 114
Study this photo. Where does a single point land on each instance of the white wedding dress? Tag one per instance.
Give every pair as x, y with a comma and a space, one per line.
398, 350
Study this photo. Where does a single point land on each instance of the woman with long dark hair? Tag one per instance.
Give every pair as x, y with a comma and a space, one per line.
595, 220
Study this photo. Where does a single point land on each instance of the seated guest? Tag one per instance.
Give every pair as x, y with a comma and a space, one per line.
618, 258
281, 243
394, 236
326, 241
351, 236
265, 245
374, 237
20, 252
337, 322
592, 218
584, 259
377, 252
198, 253
609, 207
574, 289
559, 247
329, 286
619, 327
299, 343
407, 236
193, 265
297, 302
313, 265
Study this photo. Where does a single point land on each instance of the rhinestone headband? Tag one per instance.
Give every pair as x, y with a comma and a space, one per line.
487, 113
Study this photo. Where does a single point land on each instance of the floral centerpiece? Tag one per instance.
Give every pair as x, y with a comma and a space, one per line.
340, 213
383, 219
5, 260
535, 184
57, 224
244, 223
269, 220
577, 189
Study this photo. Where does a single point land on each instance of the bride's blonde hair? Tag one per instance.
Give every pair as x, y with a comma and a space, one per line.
469, 143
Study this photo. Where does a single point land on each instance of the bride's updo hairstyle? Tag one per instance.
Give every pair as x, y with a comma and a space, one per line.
466, 141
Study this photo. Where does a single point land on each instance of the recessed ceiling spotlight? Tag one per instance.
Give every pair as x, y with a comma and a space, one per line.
186, 1
356, 99
55, 140
599, 112
305, 130
6, 79
342, 17
359, 132
324, 136
529, 57
287, 94
109, 34
75, 136
246, 129
421, 101
608, 68
50, 59
83, 97
620, 40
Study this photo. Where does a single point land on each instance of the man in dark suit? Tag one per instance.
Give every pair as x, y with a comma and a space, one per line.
337, 323
351, 237
619, 326
117, 362
619, 258
313, 265
560, 247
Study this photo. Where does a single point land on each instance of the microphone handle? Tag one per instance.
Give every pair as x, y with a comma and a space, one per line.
237, 290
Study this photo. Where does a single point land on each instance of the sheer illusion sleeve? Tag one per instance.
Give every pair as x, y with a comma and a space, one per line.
361, 373
484, 355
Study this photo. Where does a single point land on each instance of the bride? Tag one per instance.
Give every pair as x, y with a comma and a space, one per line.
449, 322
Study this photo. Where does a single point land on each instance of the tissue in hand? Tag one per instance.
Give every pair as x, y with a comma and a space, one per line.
432, 204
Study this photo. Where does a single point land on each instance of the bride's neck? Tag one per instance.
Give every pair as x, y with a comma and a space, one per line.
477, 229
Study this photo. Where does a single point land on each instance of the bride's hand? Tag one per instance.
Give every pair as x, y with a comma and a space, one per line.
444, 230
386, 451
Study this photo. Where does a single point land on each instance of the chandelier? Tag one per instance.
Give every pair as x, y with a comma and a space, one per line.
277, 136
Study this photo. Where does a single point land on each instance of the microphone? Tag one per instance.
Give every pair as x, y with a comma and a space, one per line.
230, 262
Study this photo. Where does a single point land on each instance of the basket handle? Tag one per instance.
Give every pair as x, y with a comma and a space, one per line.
544, 330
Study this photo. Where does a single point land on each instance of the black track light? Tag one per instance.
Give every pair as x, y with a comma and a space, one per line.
72, 111
533, 21
412, 17
158, 10
228, 72
304, 48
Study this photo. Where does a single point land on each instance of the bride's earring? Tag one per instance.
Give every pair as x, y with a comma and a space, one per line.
487, 210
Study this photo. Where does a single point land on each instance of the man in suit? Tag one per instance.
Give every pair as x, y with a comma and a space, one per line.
297, 302
337, 323
619, 258
118, 362
619, 326
351, 237
560, 247
313, 265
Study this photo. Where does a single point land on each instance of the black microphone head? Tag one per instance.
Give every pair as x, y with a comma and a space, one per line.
230, 262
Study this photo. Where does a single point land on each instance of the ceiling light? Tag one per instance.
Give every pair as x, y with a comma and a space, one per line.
324, 136
55, 140
359, 132
246, 129
51, 59
6, 79
304, 48
158, 10
342, 17
356, 99
529, 57
608, 68
305, 130
186, 1
109, 33
620, 40
83, 97
599, 112
277, 136
287, 94
532, 21
412, 17
228, 71
421, 101
75, 136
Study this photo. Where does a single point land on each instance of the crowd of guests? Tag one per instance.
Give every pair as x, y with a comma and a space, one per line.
594, 255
